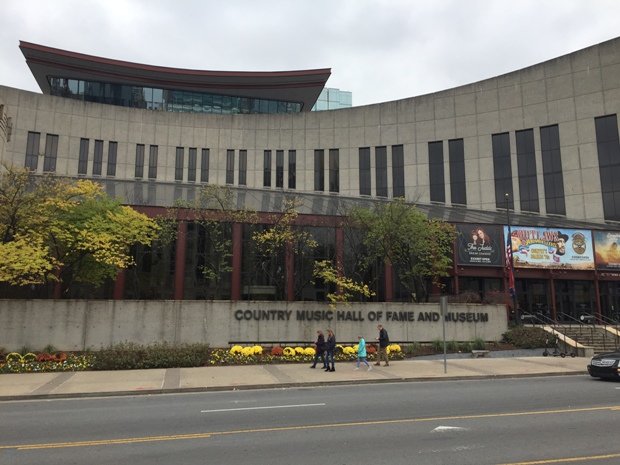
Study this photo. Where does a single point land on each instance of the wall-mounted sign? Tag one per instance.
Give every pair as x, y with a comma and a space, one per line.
607, 244
534, 247
479, 245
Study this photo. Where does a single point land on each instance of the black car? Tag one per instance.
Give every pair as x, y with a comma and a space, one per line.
605, 365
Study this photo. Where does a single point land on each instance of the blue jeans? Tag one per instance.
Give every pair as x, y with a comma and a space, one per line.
320, 355
329, 354
362, 359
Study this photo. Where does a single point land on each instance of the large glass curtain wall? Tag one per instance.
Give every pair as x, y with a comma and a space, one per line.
166, 100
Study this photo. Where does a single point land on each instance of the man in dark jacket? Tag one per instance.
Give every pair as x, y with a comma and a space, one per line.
384, 341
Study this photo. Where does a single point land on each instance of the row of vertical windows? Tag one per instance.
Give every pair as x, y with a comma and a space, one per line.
381, 171
192, 164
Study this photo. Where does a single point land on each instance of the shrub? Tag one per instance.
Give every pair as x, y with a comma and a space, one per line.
479, 344
527, 337
277, 351
469, 297
452, 346
467, 346
49, 349
437, 345
129, 355
412, 348
370, 349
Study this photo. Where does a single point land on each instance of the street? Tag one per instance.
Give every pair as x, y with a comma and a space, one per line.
508, 421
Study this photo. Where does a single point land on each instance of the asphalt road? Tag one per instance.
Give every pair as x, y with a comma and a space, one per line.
570, 419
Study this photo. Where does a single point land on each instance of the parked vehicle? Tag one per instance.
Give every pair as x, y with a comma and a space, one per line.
606, 366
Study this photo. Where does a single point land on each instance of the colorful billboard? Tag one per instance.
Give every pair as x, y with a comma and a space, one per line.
534, 247
479, 245
607, 253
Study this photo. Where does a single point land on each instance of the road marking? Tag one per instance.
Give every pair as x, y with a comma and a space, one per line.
566, 460
445, 429
261, 408
176, 437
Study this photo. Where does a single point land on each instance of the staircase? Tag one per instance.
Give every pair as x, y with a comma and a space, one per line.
593, 336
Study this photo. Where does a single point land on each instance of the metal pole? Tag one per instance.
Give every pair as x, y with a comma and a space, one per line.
443, 302
512, 268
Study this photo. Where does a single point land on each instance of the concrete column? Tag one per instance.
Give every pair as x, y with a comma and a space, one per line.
179, 264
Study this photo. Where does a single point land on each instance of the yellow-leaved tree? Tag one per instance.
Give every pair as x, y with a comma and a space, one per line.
59, 229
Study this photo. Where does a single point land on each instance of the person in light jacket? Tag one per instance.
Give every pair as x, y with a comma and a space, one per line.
361, 354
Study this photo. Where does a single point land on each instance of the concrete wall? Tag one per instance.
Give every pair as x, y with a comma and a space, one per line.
569, 91
78, 325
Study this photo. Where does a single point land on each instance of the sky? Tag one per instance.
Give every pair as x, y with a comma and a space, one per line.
380, 50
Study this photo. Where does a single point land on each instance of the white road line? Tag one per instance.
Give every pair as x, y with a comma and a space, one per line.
444, 429
261, 408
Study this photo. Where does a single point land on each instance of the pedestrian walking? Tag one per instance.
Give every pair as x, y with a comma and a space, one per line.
361, 354
384, 342
330, 347
320, 349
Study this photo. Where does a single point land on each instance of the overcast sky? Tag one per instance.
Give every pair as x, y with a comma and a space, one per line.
378, 50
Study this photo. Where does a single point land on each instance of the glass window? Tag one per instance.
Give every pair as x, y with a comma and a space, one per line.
458, 191
153, 161
292, 167
398, 171
178, 164
502, 170
381, 171
51, 152
98, 158
365, 175
32, 150
280, 168
204, 166
191, 167
83, 158
139, 160
526, 163
112, 150
608, 147
436, 172
243, 167
334, 170
230, 166
319, 170
552, 170
267, 168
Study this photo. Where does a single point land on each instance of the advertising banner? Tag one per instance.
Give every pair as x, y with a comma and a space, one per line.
607, 254
479, 245
534, 247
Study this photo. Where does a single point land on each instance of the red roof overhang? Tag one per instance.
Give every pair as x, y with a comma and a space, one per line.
302, 86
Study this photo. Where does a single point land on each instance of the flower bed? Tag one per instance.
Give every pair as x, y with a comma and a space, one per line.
40, 363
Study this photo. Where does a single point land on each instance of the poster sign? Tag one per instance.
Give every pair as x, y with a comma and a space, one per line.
607, 245
534, 247
479, 245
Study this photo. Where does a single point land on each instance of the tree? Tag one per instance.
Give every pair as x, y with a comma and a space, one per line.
397, 233
212, 215
55, 229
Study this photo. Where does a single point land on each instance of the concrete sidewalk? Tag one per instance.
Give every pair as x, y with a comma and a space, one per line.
158, 381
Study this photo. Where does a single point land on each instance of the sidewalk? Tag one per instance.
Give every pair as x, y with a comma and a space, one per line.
158, 381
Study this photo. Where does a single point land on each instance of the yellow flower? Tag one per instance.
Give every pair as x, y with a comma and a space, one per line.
309, 351
236, 349
299, 350
257, 350
350, 350
393, 348
247, 351
289, 351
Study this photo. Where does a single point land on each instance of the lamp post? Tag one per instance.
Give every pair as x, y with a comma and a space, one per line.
509, 247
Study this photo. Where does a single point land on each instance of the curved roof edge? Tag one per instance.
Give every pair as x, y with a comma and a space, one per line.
302, 86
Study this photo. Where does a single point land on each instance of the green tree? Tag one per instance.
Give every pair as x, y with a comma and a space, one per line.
419, 249
56, 229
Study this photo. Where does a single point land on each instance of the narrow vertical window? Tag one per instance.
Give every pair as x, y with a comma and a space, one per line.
608, 147
112, 151
280, 168
552, 170
83, 157
153, 151
319, 170
436, 172
139, 160
292, 168
230, 166
502, 170
191, 164
456, 154
32, 150
243, 167
381, 176
267, 168
526, 164
98, 158
51, 152
334, 170
365, 175
204, 165
398, 172
178, 164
